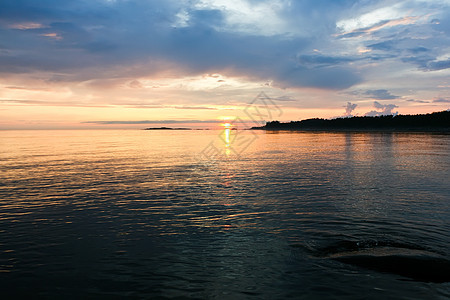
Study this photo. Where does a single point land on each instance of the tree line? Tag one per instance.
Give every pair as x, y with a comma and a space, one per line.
431, 121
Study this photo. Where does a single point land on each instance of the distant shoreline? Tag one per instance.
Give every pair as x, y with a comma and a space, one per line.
362, 130
434, 122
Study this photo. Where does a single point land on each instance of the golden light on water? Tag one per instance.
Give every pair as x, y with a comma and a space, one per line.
227, 133
227, 137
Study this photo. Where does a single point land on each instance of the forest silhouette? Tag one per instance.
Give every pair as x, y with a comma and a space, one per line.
437, 121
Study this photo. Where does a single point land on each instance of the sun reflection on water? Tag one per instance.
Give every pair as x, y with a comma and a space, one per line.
227, 133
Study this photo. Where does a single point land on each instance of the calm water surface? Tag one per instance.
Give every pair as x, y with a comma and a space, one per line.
109, 214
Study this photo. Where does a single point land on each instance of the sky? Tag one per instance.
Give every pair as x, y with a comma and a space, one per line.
67, 64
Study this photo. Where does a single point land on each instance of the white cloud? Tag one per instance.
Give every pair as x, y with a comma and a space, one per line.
371, 18
349, 108
401, 13
182, 19
382, 110
262, 18
26, 26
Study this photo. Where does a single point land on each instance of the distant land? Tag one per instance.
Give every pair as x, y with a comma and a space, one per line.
437, 122
166, 128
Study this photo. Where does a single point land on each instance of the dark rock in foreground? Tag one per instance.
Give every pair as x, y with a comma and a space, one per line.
416, 265
410, 261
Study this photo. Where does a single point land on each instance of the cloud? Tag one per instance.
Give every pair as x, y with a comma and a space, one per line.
335, 77
104, 39
417, 101
380, 94
195, 107
26, 26
130, 122
438, 65
77, 104
441, 100
284, 98
385, 45
386, 24
49, 103
131, 53
323, 60
418, 49
258, 39
26, 88
382, 110
349, 108
376, 19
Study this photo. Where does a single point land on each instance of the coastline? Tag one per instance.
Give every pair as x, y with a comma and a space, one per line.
359, 130
433, 122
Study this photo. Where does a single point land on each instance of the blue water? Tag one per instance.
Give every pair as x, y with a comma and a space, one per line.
151, 214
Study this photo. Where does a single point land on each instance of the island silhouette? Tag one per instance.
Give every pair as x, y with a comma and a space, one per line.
437, 121
166, 128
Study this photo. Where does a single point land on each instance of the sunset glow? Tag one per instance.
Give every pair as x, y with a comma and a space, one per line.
191, 62
217, 149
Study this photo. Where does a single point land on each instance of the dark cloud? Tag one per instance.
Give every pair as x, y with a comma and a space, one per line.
86, 40
420, 61
417, 101
324, 77
380, 94
441, 101
438, 65
284, 98
406, 50
428, 63
385, 46
101, 35
418, 49
323, 60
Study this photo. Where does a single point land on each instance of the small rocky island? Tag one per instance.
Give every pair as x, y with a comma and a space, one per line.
166, 128
435, 122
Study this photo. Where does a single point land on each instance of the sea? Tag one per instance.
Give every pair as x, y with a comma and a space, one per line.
224, 214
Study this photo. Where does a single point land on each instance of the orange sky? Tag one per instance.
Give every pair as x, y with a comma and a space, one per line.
137, 64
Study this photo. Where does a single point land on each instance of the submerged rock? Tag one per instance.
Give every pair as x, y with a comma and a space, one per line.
414, 264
